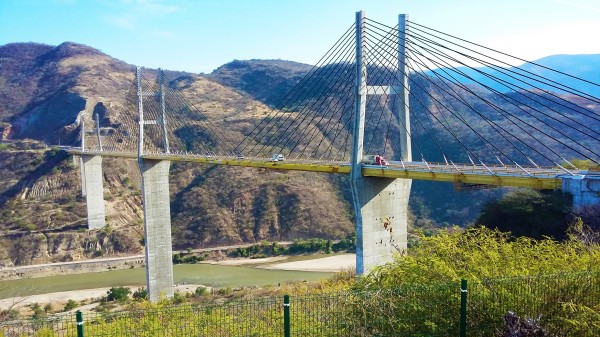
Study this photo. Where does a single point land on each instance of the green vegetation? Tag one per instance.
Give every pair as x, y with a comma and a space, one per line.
201, 291
583, 164
140, 294
527, 212
480, 253
70, 305
188, 257
118, 294
418, 294
300, 246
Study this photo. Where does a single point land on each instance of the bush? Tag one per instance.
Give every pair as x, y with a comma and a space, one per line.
224, 291
118, 294
201, 291
140, 294
8, 315
482, 253
178, 298
535, 277
70, 305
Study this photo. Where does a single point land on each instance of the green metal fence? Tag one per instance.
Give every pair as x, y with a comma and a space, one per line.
569, 305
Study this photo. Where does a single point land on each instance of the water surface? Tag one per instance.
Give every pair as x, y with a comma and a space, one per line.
206, 274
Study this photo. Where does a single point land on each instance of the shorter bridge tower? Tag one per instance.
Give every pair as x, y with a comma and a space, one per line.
92, 183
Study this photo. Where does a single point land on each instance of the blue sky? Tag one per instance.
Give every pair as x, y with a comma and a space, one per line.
200, 35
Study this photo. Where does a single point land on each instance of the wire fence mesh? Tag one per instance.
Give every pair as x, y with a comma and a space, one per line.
564, 305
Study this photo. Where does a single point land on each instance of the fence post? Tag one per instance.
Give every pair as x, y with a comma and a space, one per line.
286, 316
463, 308
79, 318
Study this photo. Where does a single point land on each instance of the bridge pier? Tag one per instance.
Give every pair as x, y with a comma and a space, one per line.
584, 188
381, 206
157, 228
93, 190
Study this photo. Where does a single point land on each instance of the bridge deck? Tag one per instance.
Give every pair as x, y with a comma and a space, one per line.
539, 178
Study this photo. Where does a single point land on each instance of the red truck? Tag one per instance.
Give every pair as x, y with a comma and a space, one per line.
374, 159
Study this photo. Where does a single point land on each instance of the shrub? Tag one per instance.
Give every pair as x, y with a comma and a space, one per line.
178, 298
481, 253
224, 291
70, 305
118, 294
140, 294
8, 315
201, 291
535, 277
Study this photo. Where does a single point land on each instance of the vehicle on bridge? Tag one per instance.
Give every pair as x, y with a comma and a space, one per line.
374, 159
277, 157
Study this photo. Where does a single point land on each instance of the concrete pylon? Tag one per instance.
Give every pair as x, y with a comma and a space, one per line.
93, 188
157, 209
157, 228
380, 204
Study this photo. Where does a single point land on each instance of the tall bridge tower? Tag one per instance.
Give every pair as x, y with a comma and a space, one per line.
380, 204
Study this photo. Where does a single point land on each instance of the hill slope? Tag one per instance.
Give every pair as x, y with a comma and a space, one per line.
583, 66
49, 90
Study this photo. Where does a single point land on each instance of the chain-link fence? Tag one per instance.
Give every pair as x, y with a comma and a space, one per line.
564, 305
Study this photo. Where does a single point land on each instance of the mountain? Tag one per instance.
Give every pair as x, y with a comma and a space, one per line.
268, 81
582, 66
46, 91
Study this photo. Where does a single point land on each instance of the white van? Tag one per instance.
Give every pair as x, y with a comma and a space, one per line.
277, 157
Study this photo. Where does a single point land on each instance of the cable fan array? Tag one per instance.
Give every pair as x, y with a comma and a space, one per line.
468, 104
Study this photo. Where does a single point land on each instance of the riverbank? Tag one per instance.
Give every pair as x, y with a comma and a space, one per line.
300, 269
109, 263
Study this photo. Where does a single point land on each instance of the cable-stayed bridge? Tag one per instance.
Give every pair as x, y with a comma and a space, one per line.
435, 106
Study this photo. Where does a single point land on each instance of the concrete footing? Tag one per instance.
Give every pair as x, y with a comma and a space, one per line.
157, 228
584, 188
93, 190
381, 220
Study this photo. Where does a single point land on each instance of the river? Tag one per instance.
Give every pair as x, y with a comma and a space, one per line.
202, 273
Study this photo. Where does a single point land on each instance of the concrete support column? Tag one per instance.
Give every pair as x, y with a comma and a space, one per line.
157, 228
584, 188
383, 206
92, 181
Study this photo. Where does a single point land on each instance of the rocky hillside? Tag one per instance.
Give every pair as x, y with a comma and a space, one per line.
46, 91
268, 81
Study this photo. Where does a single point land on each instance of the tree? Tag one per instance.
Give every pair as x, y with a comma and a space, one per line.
526, 212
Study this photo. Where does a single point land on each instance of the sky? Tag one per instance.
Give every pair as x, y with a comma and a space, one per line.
200, 35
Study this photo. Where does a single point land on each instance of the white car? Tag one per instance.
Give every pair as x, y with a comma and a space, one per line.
277, 157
